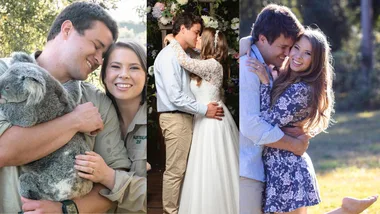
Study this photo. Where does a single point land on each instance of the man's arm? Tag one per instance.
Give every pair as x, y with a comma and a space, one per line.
170, 72
297, 145
16, 143
93, 202
245, 45
252, 126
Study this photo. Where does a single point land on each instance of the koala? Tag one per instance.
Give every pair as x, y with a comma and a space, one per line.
29, 95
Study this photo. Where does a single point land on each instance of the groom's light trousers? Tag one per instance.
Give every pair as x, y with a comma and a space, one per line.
177, 129
251, 196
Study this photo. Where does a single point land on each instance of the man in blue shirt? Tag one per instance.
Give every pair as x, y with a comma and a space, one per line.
273, 34
177, 106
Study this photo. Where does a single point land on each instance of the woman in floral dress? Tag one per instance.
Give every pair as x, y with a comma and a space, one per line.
302, 93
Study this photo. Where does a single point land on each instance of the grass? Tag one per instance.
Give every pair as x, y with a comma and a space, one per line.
347, 160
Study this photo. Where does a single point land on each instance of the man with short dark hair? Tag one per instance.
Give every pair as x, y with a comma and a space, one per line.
274, 32
78, 38
177, 106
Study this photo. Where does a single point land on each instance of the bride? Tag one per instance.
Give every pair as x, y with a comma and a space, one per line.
212, 174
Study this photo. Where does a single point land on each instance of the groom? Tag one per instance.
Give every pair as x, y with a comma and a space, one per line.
177, 105
273, 34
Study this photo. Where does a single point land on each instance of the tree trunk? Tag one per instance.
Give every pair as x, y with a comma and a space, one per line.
366, 60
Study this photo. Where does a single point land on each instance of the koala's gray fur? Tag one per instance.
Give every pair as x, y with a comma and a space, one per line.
29, 95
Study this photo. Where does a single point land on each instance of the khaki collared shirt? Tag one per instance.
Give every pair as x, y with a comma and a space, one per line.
136, 141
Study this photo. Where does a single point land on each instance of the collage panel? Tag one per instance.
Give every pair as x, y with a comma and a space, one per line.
189, 106
73, 107
193, 106
307, 87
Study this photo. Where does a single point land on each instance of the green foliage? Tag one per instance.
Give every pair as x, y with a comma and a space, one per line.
25, 24
333, 22
351, 93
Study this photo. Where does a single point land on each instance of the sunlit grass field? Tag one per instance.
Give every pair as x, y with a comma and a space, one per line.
347, 160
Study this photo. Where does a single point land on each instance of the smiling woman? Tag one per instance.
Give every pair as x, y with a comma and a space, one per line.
124, 77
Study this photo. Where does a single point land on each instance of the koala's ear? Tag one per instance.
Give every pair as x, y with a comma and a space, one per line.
36, 86
3, 67
22, 57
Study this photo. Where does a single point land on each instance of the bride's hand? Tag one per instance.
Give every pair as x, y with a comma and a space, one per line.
168, 38
92, 166
259, 69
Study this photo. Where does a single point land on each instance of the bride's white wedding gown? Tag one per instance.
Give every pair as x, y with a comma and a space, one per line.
211, 181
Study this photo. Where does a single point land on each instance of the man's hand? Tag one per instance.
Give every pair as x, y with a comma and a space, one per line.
91, 166
293, 131
214, 111
33, 206
88, 118
301, 145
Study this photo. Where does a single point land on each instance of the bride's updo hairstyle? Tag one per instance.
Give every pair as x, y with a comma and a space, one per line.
214, 48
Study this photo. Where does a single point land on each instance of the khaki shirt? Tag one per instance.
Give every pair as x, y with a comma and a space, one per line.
136, 141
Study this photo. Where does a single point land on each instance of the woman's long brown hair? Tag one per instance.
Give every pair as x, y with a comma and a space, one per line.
319, 76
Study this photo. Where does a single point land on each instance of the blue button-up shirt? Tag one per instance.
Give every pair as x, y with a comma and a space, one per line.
255, 132
173, 85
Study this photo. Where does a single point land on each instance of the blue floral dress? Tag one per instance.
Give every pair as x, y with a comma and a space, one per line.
290, 179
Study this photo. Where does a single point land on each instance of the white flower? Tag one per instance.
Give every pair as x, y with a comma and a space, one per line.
182, 2
235, 23
235, 26
235, 20
209, 21
173, 8
151, 70
166, 20
150, 110
148, 9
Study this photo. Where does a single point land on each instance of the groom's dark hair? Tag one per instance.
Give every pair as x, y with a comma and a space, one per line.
186, 19
275, 20
83, 16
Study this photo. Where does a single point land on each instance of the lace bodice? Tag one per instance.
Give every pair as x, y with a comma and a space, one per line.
206, 92
209, 70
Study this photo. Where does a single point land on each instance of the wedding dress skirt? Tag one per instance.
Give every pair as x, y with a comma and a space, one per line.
211, 181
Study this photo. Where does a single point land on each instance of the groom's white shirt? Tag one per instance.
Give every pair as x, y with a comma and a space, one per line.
254, 131
173, 85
